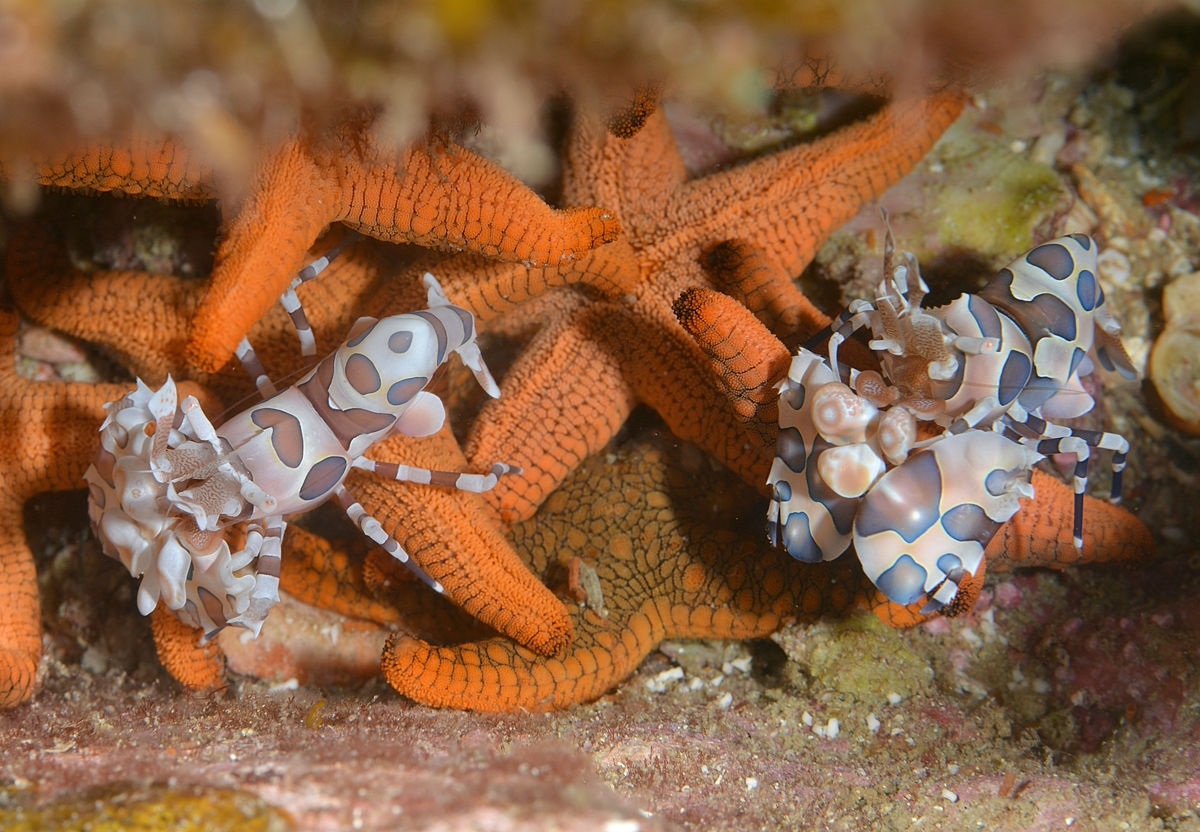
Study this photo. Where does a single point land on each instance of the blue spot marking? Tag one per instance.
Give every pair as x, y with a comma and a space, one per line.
358, 339
1084, 240
985, 316
1013, 377
798, 539
904, 581
783, 491
969, 522
948, 563
789, 447
399, 342
402, 391
908, 505
1085, 288
1053, 259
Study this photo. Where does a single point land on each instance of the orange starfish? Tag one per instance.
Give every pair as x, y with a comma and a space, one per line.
675, 550
433, 194
662, 569
657, 545
449, 533
49, 438
615, 342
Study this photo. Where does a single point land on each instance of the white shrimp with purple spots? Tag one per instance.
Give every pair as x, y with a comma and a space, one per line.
166, 486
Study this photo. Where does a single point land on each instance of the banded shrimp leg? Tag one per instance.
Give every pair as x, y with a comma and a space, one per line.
1049, 439
379, 356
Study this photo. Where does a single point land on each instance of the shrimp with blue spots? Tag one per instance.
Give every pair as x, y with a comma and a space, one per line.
167, 486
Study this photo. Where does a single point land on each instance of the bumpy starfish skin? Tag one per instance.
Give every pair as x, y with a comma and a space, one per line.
146, 165
578, 379
47, 441
144, 318
665, 569
196, 666
434, 194
441, 196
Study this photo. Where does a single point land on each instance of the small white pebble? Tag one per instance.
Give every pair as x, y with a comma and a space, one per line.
968, 635
894, 698
872, 723
818, 730
717, 680
725, 700
290, 684
832, 729
1070, 821
949, 795
936, 167
695, 683
659, 682
622, 826
952, 768
751, 783
742, 664
806, 718
1018, 146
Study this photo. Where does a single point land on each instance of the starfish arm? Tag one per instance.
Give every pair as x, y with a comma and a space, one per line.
745, 271
20, 616
149, 165
48, 439
790, 201
746, 361
144, 318
664, 567
448, 197
357, 579
568, 395
1039, 534
670, 373
453, 537
194, 665
631, 175
444, 198
141, 317
263, 248
492, 288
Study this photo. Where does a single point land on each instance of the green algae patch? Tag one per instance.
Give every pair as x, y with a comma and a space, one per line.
150, 809
999, 198
859, 656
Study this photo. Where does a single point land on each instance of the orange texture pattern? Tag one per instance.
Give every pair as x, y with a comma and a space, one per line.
48, 440
436, 195
601, 351
450, 533
197, 666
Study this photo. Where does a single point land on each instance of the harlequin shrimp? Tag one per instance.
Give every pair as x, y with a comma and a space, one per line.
919, 528
1005, 359
988, 368
167, 488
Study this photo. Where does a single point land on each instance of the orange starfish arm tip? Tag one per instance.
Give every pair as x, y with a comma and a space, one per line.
197, 666
745, 356
1039, 534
